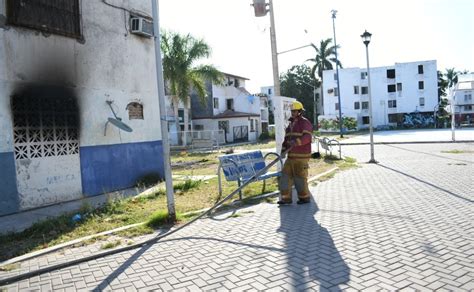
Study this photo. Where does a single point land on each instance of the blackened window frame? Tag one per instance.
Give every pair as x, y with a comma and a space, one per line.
65, 21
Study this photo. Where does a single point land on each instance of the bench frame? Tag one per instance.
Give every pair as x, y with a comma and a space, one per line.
328, 144
241, 179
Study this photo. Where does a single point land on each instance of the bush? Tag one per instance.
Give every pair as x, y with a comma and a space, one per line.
349, 123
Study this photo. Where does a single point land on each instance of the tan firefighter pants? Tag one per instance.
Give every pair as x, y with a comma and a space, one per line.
295, 171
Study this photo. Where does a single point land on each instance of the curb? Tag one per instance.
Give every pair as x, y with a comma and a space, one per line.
413, 142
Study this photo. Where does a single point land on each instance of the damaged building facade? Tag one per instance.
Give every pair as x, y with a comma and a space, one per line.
79, 112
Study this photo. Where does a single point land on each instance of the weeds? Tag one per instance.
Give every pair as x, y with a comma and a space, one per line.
111, 244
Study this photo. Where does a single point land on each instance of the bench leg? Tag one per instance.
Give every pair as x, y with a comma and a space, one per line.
240, 191
263, 187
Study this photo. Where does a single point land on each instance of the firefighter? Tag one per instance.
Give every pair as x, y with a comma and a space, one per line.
298, 137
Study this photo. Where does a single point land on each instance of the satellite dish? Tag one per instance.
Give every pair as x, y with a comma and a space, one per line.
119, 124
116, 121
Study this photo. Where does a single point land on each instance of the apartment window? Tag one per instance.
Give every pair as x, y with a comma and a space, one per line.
336, 91
356, 105
468, 107
422, 101
330, 91
356, 89
269, 91
229, 104
391, 73
337, 106
421, 85
365, 105
365, 120
393, 118
399, 87
335, 76
392, 104
198, 127
363, 75
467, 96
420, 69
236, 82
391, 88
364, 89
216, 102
51, 16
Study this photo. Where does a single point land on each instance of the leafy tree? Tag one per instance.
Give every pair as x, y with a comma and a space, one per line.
325, 56
180, 54
298, 82
442, 85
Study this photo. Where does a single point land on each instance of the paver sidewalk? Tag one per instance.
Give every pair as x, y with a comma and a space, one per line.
405, 223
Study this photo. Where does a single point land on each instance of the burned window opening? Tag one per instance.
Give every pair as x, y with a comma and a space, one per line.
135, 111
50, 16
45, 123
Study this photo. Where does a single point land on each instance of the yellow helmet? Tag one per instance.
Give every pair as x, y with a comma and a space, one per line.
297, 106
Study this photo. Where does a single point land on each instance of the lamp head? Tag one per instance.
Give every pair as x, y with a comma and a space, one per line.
366, 37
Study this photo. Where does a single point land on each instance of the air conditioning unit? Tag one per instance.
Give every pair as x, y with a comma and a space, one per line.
141, 26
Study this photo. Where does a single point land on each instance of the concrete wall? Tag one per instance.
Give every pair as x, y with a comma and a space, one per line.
110, 64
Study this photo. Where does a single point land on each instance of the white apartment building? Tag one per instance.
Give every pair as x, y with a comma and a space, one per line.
463, 93
395, 90
230, 109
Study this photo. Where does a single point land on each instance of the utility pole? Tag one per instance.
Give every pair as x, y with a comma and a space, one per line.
337, 73
163, 121
276, 75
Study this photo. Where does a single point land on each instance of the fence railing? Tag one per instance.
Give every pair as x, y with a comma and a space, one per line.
197, 139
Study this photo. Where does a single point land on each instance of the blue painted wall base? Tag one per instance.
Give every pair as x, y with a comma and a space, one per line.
9, 201
107, 168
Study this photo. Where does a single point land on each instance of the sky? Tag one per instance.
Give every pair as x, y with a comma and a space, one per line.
402, 31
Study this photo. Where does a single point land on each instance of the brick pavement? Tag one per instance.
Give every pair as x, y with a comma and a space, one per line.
405, 223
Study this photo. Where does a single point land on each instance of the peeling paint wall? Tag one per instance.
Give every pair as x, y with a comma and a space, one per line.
109, 64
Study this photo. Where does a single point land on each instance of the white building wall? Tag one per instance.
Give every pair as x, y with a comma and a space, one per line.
408, 99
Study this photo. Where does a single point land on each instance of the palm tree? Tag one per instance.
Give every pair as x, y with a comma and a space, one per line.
325, 56
180, 54
451, 76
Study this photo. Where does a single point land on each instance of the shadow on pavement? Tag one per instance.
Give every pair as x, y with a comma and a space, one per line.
428, 183
119, 270
311, 254
431, 154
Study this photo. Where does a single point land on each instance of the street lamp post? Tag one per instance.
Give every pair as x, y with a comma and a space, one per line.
366, 40
337, 73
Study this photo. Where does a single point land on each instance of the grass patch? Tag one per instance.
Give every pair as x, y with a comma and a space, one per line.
111, 244
10, 267
455, 151
187, 185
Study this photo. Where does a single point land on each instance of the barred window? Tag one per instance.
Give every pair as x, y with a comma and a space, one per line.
60, 17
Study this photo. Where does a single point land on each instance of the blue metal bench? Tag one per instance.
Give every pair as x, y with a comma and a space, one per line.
243, 166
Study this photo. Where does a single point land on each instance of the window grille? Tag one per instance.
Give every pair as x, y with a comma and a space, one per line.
60, 17
44, 127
